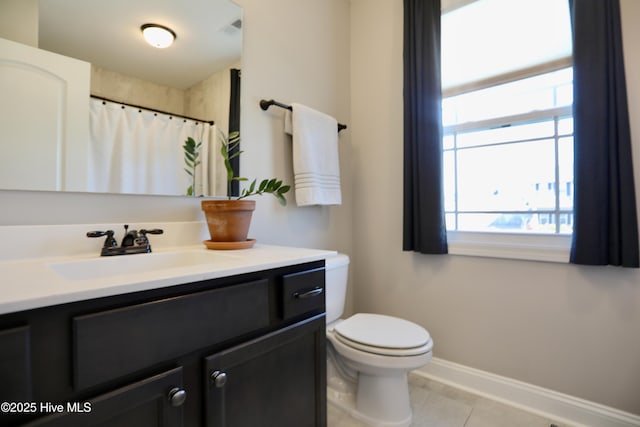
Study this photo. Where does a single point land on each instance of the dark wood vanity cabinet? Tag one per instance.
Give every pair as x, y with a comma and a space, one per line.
290, 391
144, 403
245, 350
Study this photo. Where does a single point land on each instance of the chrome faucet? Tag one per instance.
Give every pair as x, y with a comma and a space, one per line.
133, 242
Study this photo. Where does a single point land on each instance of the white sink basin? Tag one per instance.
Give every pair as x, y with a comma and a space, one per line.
101, 267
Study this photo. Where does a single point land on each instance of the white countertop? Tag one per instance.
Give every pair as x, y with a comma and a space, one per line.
39, 282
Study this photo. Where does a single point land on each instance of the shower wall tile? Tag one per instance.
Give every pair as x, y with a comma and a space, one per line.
131, 90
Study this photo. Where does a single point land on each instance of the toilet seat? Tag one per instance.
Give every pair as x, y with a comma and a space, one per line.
383, 335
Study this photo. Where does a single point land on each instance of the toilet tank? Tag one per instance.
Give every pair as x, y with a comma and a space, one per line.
336, 275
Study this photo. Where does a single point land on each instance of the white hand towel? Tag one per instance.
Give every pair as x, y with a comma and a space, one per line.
316, 165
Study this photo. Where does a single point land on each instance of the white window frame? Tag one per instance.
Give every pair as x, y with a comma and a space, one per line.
533, 247
529, 247
509, 245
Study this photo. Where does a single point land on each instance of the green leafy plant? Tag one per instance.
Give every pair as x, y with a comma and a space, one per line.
191, 155
231, 149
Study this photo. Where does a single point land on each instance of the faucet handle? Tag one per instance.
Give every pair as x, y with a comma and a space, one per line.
109, 242
143, 240
152, 231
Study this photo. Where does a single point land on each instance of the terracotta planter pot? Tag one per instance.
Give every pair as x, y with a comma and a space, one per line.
228, 220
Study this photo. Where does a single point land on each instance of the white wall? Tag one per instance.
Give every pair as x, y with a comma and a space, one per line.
571, 329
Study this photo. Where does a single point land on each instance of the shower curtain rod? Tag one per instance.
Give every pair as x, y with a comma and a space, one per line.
264, 104
101, 98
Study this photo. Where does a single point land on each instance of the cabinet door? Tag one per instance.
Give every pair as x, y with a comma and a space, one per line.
276, 380
153, 402
15, 365
15, 370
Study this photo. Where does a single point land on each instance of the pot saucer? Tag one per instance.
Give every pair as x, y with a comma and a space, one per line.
210, 244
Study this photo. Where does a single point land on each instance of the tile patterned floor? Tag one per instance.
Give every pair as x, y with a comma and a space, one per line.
438, 405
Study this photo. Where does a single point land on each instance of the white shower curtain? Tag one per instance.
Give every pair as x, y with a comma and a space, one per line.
138, 151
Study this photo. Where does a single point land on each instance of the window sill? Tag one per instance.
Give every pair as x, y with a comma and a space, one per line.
531, 247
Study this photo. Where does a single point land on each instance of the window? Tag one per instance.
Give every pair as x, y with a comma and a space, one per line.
507, 120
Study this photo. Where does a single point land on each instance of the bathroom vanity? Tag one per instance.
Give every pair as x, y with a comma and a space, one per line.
238, 341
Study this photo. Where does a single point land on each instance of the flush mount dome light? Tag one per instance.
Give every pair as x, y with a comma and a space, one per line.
157, 35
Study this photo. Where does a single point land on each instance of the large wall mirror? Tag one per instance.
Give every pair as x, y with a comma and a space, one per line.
195, 78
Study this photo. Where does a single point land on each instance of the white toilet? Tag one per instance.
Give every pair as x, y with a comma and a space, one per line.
369, 356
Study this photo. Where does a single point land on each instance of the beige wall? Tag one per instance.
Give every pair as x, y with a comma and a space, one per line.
311, 67
19, 21
571, 329
209, 99
131, 90
206, 100
295, 51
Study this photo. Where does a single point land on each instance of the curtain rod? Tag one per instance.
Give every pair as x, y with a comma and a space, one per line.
140, 107
264, 104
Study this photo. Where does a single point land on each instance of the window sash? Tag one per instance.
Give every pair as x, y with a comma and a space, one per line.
516, 119
520, 74
498, 244
557, 211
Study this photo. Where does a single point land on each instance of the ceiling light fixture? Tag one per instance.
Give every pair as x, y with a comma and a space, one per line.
157, 35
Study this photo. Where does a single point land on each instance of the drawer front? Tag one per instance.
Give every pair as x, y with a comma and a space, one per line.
117, 342
303, 293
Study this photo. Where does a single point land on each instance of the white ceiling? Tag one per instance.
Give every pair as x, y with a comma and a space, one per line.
107, 33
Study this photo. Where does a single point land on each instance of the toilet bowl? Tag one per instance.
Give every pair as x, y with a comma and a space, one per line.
369, 356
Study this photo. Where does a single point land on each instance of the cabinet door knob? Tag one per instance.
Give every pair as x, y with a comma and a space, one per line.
219, 378
177, 396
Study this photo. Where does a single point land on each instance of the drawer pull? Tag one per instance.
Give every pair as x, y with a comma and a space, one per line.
219, 379
177, 396
309, 294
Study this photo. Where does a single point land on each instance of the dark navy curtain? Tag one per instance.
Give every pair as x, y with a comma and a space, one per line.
423, 210
234, 126
605, 228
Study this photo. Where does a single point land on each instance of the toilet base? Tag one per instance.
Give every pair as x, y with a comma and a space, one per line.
376, 401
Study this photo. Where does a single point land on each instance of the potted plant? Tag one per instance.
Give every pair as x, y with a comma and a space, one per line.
228, 220
191, 160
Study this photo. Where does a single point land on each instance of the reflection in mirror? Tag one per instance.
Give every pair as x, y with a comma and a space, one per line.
191, 78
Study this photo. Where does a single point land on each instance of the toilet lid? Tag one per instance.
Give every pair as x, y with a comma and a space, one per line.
377, 330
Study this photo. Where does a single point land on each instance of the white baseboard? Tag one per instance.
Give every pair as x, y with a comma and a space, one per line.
548, 403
